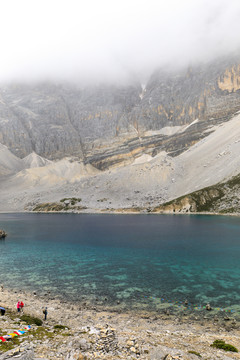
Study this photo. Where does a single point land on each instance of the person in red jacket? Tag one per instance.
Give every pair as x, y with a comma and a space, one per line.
21, 305
18, 306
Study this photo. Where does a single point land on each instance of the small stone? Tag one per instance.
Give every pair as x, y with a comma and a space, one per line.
130, 343
83, 345
168, 357
82, 357
132, 349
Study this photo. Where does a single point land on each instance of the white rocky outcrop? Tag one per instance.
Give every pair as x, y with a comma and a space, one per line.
55, 173
34, 160
9, 163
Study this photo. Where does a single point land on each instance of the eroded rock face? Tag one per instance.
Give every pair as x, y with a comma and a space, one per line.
106, 125
230, 80
184, 205
220, 198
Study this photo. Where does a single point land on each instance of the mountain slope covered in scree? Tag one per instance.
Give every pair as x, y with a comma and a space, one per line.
123, 147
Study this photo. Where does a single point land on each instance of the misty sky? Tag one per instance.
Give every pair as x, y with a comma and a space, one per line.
110, 39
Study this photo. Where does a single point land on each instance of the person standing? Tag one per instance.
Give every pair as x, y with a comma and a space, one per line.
21, 306
2, 309
45, 313
18, 306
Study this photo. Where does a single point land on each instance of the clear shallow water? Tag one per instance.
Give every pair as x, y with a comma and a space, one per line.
134, 260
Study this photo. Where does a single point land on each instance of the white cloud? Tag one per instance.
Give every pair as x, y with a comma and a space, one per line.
107, 39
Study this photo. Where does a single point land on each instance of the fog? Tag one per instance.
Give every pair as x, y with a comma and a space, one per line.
111, 40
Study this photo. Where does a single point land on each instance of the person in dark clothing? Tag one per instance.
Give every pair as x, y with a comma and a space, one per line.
2, 309
45, 313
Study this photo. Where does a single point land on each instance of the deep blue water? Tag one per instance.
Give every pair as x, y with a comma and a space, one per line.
134, 260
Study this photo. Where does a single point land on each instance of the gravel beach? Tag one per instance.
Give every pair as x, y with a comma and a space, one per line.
76, 331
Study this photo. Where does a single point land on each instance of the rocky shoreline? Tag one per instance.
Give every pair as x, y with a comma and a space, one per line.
130, 211
78, 332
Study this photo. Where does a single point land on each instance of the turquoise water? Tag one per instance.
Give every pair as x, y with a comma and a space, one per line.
134, 261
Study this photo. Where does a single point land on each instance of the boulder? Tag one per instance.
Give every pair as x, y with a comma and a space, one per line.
208, 307
3, 234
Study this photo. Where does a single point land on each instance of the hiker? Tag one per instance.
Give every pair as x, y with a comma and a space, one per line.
21, 306
18, 306
45, 313
2, 309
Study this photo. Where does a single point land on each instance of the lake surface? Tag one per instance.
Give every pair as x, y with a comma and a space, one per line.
136, 261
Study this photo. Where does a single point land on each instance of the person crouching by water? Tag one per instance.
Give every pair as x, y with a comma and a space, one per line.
18, 306
45, 313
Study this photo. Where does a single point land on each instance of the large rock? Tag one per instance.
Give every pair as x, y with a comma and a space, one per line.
19, 354
3, 234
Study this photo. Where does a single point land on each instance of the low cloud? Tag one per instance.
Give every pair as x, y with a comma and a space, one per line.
111, 40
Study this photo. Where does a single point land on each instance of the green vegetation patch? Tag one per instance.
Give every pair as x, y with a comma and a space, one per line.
203, 199
220, 344
41, 333
200, 201
194, 353
207, 199
31, 320
234, 181
50, 207
231, 210
10, 344
61, 327
60, 206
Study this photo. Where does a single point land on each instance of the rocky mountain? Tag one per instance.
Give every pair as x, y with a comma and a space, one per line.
132, 146
109, 124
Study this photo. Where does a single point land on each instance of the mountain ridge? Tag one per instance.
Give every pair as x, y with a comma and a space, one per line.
119, 147
144, 184
59, 120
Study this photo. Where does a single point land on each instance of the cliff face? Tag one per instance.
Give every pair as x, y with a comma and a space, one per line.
199, 201
107, 125
230, 80
57, 121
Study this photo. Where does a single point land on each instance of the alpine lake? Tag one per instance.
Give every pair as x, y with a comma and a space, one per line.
134, 262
